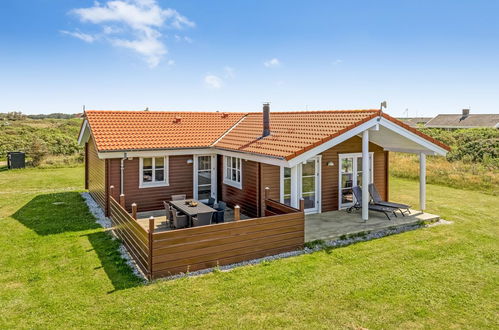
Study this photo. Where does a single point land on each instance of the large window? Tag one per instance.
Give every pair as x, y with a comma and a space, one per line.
232, 171
153, 171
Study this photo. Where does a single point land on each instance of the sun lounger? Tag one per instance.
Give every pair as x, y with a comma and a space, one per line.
377, 200
357, 191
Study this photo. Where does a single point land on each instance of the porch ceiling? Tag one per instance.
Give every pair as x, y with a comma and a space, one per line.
393, 141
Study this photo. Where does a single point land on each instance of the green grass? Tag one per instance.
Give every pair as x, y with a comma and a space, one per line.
59, 269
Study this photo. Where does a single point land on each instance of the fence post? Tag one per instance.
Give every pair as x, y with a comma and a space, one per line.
150, 235
237, 213
134, 211
111, 190
267, 192
122, 200
302, 204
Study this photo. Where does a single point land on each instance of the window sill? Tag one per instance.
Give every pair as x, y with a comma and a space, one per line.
153, 185
234, 184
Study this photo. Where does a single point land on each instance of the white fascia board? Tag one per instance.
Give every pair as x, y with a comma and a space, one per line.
252, 157
331, 143
84, 133
194, 151
413, 137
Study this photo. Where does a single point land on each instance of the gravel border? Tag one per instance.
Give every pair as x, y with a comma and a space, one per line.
310, 247
105, 222
320, 245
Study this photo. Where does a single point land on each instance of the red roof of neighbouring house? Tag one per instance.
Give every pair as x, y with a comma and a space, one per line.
292, 133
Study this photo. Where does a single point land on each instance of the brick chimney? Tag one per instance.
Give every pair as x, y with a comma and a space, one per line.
266, 120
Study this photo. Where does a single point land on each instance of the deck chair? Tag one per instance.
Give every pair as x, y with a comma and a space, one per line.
210, 202
180, 221
178, 197
202, 219
357, 191
379, 201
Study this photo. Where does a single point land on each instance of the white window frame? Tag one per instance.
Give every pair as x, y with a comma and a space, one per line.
154, 183
354, 174
229, 181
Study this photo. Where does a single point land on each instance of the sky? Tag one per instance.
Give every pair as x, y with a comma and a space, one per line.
422, 57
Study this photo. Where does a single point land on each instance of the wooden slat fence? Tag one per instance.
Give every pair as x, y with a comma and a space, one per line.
134, 237
167, 253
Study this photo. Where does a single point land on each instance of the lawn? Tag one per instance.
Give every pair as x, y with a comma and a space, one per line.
59, 269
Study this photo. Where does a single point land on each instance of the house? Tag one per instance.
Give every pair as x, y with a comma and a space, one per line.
416, 122
315, 155
464, 120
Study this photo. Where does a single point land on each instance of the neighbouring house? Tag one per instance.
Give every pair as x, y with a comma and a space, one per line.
416, 122
265, 163
464, 120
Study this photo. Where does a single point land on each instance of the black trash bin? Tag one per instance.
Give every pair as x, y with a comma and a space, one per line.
16, 160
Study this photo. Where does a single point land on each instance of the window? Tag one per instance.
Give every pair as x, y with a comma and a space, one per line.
153, 172
232, 172
287, 186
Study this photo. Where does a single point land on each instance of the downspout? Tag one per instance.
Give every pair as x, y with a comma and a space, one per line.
122, 176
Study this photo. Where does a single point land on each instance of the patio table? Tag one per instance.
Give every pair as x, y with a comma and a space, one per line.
191, 210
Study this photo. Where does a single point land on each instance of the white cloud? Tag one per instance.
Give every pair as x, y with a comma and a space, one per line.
135, 25
337, 61
184, 38
272, 63
82, 36
213, 81
229, 72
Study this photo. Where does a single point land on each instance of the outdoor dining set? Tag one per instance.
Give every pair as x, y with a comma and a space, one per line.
183, 213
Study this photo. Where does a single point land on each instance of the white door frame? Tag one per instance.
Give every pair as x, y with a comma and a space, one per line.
354, 175
318, 167
213, 176
297, 187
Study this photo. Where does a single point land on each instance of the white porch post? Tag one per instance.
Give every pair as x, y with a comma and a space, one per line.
294, 187
422, 181
365, 175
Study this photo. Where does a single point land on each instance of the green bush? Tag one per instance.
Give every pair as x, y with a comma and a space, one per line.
470, 145
40, 138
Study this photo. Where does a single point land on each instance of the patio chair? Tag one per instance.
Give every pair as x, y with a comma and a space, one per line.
218, 216
221, 206
357, 191
210, 202
169, 213
180, 221
379, 201
202, 219
178, 197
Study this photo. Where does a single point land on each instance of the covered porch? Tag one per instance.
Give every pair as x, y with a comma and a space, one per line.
335, 224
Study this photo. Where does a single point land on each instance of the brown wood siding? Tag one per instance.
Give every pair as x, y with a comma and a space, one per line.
147, 199
197, 248
330, 174
86, 165
247, 197
96, 177
270, 177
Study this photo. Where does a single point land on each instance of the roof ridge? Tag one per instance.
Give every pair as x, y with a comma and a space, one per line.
319, 111
166, 111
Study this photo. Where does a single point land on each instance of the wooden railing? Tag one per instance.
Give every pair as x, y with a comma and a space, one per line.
161, 254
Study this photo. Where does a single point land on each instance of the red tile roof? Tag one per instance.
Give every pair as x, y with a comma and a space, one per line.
141, 130
292, 133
